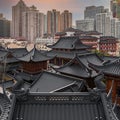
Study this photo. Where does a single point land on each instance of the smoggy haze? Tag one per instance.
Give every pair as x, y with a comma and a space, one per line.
75, 6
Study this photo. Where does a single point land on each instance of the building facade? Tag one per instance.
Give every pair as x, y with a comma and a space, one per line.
108, 44
85, 25
17, 11
53, 22
115, 8
33, 24
65, 20
91, 11
1, 15
118, 29
4, 27
103, 23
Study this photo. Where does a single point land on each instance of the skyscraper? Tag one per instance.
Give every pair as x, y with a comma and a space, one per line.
17, 11
33, 24
118, 29
1, 15
66, 20
85, 25
103, 23
91, 11
53, 22
4, 27
115, 8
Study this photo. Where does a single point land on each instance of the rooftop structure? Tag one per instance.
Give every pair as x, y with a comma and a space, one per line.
111, 71
78, 67
55, 106
66, 49
69, 43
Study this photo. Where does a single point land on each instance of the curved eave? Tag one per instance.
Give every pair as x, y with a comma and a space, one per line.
70, 74
78, 76
41, 60
97, 69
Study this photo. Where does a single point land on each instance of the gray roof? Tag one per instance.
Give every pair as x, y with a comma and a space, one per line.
117, 111
3, 54
28, 77
62, 106
65, 54
109, 58
51, 82
18, 52
35, 56
72, 42
7, 84
75, 69
112, 69
12, 60
90, 57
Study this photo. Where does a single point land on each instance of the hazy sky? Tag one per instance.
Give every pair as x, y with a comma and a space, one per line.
75, 6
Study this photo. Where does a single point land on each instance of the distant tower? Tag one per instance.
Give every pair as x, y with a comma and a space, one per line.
66, 20
17, 11
91, 11
33, 24
53, 22
115, 8
103, 23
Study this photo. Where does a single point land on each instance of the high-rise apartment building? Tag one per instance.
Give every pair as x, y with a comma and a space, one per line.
103, 23
85, 25
66, 20
118, 29
53, 22
114, 26
115, 8
17, 11
33, 24
4, 26
91, 11
1, 15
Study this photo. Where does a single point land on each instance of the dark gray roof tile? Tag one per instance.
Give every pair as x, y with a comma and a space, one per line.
35, 56
112, 68
69, 43
59, 106
65, 54
50, 82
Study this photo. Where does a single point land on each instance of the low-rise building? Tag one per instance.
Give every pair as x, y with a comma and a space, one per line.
108, 44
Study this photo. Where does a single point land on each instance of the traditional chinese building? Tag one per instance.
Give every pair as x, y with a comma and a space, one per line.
108, 44
34, 62
66, 48
111, 71
57, 97
90, 40
56, 106
78, 67
50, 82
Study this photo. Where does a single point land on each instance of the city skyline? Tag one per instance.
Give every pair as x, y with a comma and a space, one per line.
77, 7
